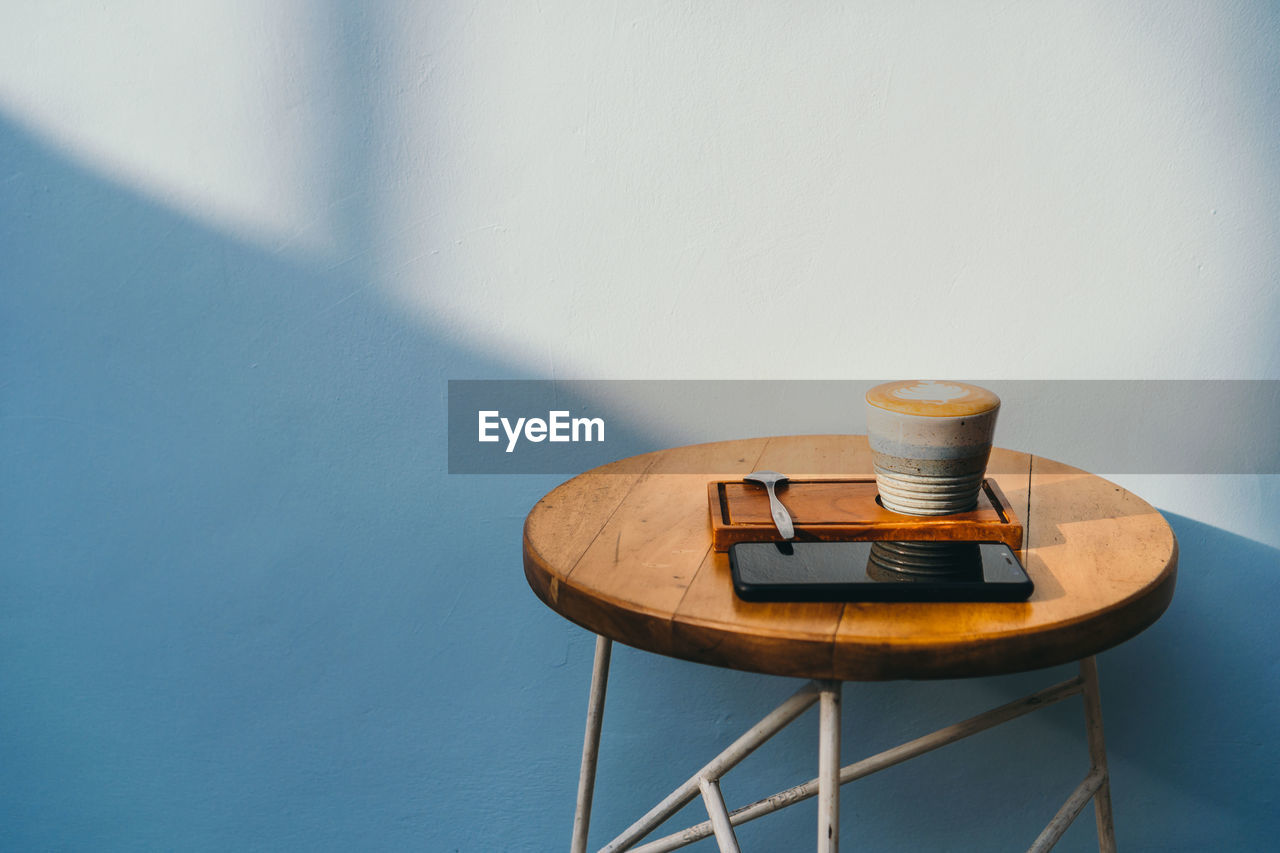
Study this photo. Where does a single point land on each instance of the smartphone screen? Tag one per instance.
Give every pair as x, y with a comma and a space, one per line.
877, 571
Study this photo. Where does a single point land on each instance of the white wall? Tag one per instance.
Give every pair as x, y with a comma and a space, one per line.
1091, 185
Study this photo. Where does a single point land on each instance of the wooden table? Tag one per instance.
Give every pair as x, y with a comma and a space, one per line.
624, 551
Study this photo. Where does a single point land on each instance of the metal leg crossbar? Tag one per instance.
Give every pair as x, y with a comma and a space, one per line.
826, 786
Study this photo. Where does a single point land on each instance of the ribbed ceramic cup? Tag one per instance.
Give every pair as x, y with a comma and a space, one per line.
930, 442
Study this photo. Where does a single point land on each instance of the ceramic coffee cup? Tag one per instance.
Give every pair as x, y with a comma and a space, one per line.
930, 442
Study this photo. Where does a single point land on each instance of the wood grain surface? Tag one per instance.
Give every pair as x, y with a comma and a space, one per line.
625, 551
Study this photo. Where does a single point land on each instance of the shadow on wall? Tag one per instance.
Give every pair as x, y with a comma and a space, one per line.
240, 602
242, 605
1190, 702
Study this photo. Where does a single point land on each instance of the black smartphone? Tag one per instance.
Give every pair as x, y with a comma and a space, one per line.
878, 571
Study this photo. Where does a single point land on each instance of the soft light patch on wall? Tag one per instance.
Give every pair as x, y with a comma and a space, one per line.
207, 107
631, 190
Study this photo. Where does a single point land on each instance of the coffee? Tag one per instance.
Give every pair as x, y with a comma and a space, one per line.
930, 442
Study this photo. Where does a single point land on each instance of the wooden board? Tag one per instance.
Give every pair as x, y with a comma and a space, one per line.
833, 510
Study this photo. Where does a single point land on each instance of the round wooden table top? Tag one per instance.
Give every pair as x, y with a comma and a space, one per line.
624, 550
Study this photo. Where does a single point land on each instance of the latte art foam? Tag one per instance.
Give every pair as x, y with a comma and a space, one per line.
932, 398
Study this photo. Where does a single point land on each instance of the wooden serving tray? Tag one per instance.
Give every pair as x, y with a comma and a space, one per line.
835, 510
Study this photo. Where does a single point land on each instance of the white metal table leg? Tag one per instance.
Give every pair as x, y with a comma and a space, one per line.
1098, 755
719, 814
874, 764
591, 743
826, 787
775, 721
829, 768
